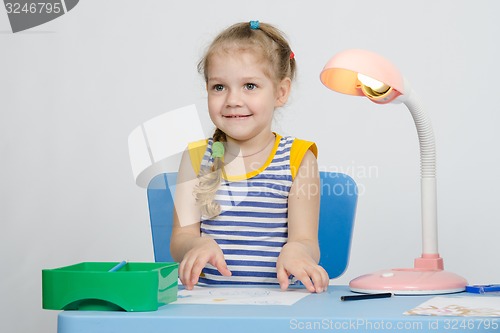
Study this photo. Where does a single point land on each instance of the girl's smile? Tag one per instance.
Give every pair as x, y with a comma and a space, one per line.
236, 116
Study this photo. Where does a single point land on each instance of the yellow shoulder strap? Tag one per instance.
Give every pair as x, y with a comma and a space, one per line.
297, 152
196, 151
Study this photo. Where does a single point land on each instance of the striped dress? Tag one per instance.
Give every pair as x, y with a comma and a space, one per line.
252, 226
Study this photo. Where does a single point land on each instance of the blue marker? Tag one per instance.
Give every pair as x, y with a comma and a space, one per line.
483, 288
117, 267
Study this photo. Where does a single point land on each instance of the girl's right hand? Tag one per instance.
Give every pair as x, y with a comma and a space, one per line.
205, 250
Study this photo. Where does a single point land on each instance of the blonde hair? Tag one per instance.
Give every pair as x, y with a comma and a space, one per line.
270, 43
267, 40
209, 181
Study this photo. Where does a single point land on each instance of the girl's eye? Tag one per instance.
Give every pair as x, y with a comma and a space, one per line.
250, 86
218, 87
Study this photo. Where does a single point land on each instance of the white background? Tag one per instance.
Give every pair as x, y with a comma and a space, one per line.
73, 89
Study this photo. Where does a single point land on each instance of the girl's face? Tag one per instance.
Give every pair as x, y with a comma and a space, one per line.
241, 98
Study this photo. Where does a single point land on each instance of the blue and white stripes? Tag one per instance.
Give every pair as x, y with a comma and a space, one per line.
252, 227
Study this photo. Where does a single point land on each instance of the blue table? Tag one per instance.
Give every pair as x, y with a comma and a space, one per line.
316, 312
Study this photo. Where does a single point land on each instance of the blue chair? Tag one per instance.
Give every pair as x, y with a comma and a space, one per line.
337, 212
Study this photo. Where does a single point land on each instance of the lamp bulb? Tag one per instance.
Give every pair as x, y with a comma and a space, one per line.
375, 85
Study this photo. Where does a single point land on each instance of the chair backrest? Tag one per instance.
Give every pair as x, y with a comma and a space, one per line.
337, 213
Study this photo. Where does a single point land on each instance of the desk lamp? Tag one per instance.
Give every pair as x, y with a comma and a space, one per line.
364, 73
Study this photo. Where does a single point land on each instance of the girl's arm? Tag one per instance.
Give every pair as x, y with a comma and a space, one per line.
300, 255
186, 224
186, 244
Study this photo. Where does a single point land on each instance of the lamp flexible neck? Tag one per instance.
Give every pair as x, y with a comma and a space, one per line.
425, 136
428, 174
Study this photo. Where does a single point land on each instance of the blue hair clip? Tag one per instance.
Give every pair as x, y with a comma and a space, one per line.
254, 25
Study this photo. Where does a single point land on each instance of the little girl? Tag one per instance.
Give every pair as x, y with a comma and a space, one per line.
247, 199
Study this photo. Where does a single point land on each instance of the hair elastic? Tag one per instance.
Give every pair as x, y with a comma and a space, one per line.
217, 149
292, 55
254, 25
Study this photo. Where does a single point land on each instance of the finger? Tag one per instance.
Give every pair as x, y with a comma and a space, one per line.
326, 278
316, 277
319, 277
183, 274
304, 277
196, 269
220, 263
224, 270
192, 269
282, 276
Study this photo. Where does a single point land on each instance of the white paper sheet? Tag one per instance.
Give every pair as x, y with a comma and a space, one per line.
241, 296
474, 306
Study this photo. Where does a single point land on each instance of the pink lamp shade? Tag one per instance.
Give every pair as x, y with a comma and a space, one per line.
341, 74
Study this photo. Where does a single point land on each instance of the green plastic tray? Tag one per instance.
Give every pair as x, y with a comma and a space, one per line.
136, 286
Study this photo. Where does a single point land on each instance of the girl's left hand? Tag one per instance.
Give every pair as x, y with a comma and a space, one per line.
294, 260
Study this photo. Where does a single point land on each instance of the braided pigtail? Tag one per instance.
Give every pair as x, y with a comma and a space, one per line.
210, 178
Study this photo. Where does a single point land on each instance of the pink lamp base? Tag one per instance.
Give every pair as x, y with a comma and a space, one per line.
409, 281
